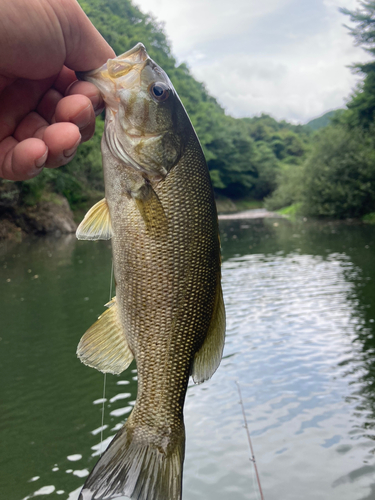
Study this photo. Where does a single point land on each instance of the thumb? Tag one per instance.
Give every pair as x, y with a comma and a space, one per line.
86, 49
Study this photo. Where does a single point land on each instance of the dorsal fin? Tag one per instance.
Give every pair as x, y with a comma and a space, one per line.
104, 345
96, 224
207, 359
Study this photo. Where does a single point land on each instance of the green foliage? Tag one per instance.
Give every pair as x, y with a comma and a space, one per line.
337, 180
291, 210
361, 107
289, 188
339, 175
369, 218
364, 31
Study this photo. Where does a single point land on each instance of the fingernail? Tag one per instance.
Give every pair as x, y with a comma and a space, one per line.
83, 118
95, 101
71, 151
40, 162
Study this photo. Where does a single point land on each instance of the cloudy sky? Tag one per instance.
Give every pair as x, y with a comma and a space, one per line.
287, 58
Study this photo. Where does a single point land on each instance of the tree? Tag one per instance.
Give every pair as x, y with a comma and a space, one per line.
364, 32
361, 107
339, 175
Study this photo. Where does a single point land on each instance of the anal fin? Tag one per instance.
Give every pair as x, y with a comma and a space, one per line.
207, 359
96, 224
104, 345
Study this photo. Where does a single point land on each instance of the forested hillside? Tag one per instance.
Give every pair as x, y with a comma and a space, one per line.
321, 121
244, 156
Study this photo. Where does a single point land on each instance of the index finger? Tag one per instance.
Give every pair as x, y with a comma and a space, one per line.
67, 84
90, 91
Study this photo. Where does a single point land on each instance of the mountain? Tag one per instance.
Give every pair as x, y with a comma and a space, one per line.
322, 121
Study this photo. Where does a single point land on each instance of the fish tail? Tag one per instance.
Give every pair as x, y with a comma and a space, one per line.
138, 464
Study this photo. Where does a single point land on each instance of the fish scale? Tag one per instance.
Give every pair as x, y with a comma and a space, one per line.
168, 312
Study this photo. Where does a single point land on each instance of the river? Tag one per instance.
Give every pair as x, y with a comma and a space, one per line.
300, 301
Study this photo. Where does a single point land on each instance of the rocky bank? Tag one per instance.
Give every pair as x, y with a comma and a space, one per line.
51, 215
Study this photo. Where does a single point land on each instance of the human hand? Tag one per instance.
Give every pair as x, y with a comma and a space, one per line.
44, 111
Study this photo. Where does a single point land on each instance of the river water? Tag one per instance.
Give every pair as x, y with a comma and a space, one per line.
300, 301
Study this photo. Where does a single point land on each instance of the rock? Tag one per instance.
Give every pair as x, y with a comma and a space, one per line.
48, 217
9, 231
9, 194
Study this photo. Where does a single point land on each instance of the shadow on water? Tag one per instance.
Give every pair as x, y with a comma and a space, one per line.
300, 301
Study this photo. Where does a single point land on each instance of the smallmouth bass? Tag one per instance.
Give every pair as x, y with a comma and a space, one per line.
159, 210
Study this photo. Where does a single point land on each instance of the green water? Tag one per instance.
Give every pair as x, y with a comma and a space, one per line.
300, 302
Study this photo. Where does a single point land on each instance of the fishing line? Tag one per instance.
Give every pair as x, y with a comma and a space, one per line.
103, 406
105, 375
252, 458
111, 283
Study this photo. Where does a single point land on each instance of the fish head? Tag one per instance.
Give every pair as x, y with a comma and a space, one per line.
146, 123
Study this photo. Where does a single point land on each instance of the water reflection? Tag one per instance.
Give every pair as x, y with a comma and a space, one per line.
300, 304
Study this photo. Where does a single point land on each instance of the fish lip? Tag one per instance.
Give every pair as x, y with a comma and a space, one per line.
133, 50
82, 75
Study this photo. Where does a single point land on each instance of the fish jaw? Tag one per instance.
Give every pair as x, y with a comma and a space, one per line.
105, 77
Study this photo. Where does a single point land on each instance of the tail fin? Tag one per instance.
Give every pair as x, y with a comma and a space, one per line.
139, 469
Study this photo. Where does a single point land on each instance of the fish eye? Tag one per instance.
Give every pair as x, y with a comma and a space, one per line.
159, 91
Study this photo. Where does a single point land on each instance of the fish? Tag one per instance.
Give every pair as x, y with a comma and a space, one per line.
168, 314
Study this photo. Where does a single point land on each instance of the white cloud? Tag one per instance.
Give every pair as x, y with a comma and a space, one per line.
195, 22
283, 57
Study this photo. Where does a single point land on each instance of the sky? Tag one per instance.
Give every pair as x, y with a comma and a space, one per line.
286, 58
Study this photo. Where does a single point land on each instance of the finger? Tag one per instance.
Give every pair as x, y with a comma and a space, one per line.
18, 100
47, 106
64, 79
62, 140
33, 125
77, 109
85, 47
90, 91
20, 161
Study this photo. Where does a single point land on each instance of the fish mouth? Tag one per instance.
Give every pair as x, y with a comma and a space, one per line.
118, 66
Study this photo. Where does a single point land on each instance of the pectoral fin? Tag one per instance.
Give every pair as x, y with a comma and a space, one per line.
104, 345
208, 358
97, 223
151, 209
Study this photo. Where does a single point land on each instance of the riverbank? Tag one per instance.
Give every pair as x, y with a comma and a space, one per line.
51, 215
294, 210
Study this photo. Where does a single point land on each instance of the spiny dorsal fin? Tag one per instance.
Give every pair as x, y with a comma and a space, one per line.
208, 358
104, 345
97, 223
